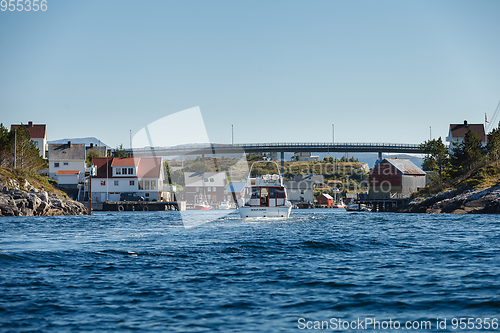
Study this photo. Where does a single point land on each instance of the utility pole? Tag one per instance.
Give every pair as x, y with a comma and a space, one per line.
333, 134
15, 147
90, 189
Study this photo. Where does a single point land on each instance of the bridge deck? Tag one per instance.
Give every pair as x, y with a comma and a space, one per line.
280, 147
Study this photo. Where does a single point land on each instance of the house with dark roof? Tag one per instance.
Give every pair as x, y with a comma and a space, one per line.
143, 176
66, 157
395, 179
207, 186
38, 134
457, 132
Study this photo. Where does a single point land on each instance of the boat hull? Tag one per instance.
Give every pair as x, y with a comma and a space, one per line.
282, 211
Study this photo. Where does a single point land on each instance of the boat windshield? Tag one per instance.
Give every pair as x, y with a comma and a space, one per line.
255, 193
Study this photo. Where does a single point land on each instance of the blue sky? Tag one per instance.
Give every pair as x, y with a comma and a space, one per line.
280, 71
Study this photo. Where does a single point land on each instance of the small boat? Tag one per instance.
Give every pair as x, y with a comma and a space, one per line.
202, 206
357, 208
339, 204
264, 196
225, 205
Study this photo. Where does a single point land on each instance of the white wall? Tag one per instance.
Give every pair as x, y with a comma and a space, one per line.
67, 179
72, 165
122, 187
41, 144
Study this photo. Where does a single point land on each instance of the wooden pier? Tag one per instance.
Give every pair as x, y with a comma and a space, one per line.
139, 206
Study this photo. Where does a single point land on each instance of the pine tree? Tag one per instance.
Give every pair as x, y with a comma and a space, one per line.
493, 145
467, 154
436, 158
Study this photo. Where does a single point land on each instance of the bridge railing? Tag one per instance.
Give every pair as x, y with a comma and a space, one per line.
326, 144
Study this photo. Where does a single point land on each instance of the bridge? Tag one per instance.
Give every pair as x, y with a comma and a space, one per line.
211, 149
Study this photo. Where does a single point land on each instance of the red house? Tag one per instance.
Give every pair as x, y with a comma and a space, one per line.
325, 199
395, 178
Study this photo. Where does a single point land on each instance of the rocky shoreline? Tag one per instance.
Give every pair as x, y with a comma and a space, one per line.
33, 202
459, 201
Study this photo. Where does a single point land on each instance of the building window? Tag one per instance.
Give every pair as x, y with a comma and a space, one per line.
147, 195
205, 180
65, 163
214, 189
211, 180
130, 171
146, 185
118, 171
153, 184
56, 165
124, 171
141, 185
132, 183
209, 189
116, 182
103, 182
197, 189
36, 143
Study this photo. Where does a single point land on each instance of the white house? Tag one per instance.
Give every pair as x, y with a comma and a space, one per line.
143, 176
302, 188
66, 157
38, 134
457, 132
305, 157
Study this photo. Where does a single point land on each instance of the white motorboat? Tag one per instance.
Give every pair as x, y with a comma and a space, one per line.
265, 196
357, 208
225, 205
339, 204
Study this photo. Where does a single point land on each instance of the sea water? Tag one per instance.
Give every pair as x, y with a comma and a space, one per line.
319, 269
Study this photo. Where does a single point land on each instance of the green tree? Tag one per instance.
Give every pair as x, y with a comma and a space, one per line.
17, 144
90, 155
119, 152
436, 155
467, 154
6, 148
493, 145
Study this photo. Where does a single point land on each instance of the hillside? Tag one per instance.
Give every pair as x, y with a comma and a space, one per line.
25, 195
476, 192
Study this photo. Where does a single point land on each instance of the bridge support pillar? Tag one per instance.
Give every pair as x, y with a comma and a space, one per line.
380, 155
282, 164
203, 163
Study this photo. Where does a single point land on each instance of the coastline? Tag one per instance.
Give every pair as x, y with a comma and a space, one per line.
27, 200
457, 201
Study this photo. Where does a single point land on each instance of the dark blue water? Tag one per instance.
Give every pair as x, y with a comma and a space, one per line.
147, 272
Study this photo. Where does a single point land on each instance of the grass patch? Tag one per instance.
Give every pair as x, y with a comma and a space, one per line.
482, 177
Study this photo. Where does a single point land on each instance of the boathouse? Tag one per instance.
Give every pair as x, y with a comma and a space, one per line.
395, 179
325, 199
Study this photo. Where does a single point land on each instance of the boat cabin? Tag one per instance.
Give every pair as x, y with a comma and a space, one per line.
265, 191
